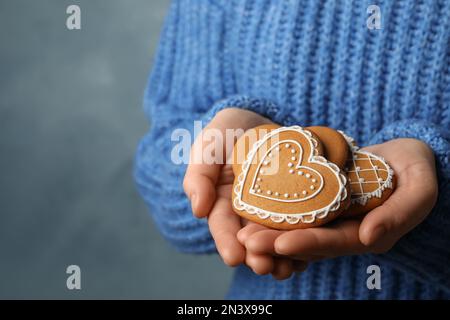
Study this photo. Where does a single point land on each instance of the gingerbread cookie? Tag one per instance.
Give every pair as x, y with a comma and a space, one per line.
285, 182
371, 179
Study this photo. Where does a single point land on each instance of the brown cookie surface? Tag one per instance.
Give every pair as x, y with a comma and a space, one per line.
335, 146
371, 179
285, 182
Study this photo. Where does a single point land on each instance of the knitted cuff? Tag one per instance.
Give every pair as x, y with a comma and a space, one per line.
263, 107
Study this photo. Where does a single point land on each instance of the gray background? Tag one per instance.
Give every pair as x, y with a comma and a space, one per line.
70, 119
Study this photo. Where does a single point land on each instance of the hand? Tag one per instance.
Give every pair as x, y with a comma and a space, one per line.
208, 185
411, 202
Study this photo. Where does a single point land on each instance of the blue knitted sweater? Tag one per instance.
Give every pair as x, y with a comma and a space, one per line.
307, 62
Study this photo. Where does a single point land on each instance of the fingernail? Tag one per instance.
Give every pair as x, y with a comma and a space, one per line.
193, 202
377, 234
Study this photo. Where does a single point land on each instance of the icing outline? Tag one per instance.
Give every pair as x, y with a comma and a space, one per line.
291, 218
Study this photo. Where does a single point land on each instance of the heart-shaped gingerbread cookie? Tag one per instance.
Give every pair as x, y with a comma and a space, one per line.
285, 182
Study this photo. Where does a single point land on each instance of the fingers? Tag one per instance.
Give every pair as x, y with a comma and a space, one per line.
224, 225
260, 252
400, 213
260, 264
210, 151
262, 241
315, 243
200, 180
207, 158
248, 230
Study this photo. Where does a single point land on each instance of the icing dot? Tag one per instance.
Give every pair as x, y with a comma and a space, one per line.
311, 187
380, 179
308, 175
300, 173
252, 190
286, 195
296, 195
349, 179
259, 190
270, 154
304, 192
292, 150
256, 186
277, 148
287, 145
269, 192
361, 179
290, 164
277, 194
293, 158
261, 171
266, 163
358, 168
313, 180
291, 171
375, 167
258, 179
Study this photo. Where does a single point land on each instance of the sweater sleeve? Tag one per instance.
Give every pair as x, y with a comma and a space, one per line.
425, 251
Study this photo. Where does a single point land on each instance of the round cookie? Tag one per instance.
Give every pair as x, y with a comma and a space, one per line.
335, 146
285, 182
371, 179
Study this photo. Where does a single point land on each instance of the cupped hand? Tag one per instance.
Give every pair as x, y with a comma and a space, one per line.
209, 179
378, 231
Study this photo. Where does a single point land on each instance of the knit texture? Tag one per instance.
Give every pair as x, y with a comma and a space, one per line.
307, 62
